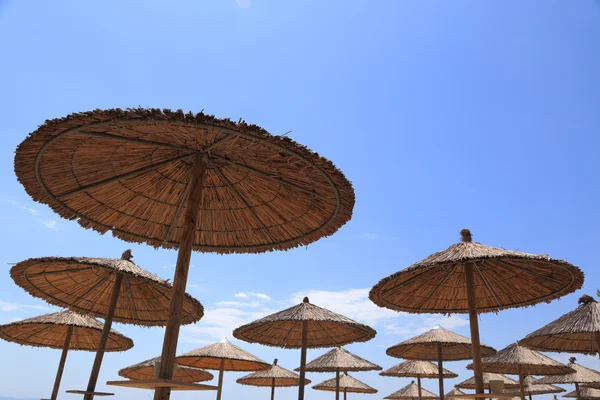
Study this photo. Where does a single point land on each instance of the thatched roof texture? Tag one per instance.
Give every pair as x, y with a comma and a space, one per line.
145, 371
534, 388
411, 392
502, 278
233, 357
582, 375
487, 377
340, 359
347, 383
276, 375
417, 369
453, 392
586, 393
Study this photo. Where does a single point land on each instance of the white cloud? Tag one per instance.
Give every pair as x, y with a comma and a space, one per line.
244, 3
4, 306
24, 207
248, 295
367, 236
241, 295
51, 224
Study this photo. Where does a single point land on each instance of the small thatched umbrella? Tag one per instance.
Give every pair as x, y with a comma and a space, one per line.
417, 369
582, 375
584, 393
470, 277
146, 370
454, 392
533, 388
302, 326
437, 344
487, 377
111, 288
64, 330
411, 392
273, 377
222, 356
346, 383
521, 361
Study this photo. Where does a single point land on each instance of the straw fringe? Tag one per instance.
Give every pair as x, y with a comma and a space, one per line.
282, 377
340, 359
347, 383
487, 377
417, 369
411, 392
145, 370
209, 357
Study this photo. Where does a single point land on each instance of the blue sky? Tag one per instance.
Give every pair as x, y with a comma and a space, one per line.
444, 115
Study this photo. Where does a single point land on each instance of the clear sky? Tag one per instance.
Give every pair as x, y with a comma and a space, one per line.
443, 114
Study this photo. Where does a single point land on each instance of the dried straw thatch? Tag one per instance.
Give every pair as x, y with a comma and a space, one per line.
223, 355
145, 370
581, 375
284, 328
127, 171
502, 279
533, 388
417, 369
575, 332
487, 377
454, 392
339, 359
274, 376
411, 392
585, 392
85, 285
50, 330
347, 384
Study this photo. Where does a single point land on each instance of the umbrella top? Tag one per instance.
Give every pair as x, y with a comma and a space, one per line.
275, 375
515, 358
324, 328
487, 377
534, 388
454, 391
411, 392
50, 330
127, 171
574, 332
145, 370
347, 383
223, 353
425, 346
581, 375
586, 393
340, 359
417, 369
85, 285
502, 279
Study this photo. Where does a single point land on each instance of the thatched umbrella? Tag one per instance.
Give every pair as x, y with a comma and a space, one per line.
584, 393
146, 371
302, 326
454, 392
346, 383
338, 360
64, 330
111, 288
183, 181
411, 392
575, 332
470, 277
273, 377
487, 377
533, 388
582, 375
417, 369
521, 361
222, 356
437, 344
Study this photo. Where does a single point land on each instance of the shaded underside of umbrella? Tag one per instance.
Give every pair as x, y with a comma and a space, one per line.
586, 393
534, 388
581, 375
340, 359
454, 392
487, 377
347, 383
411, 392
417, 369
275, 376
230, 356
145, 371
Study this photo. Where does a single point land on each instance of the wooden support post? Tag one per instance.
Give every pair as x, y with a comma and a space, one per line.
419, 385
303, 359
473, 320
577, 390
61, 364
112, 305
440, 371
345, 393
220, 384
272, 388
337, 384
193, 204
521, 383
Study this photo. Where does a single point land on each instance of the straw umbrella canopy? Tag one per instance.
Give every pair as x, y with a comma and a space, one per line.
473, 278
273, 377
533, 388
582, 375
411, 392
417, 369
584, 393
302, 326
112, 288
66, 330
185, 181
487, 377
145, 370
222, 356
577, 331
437, 344
347, 384
454, 392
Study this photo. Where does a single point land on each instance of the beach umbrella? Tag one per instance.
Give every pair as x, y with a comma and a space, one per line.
487, 377
411, 392
338, 360
176, 180
577, 331
582, 376
417, 369
111, 288
533, 388
347, 384
454, 392
145, 370
273, 377
437, 344
66, 330
304, 326
521, 361
473, 278
222, 356
584, 393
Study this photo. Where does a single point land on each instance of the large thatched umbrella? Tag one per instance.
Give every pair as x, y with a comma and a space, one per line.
145, 370
222, 356
470, 277
111, 288
417, 369
533, 388
64, 330
584, 393
347, 384
411, 392
437, 344
183, 181
454, 392
521, 361
338, 360
273, 377
487, 377
582, 375
302, 326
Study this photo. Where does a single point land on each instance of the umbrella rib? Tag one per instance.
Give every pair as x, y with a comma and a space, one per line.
325, 330
409, 280
94, 286
105, 135
285, 339
508, 264
437, 288
182, 201
37, 332
131, 298
219, 142
58, 271
123, 176
487, 285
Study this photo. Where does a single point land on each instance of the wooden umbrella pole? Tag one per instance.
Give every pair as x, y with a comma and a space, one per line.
577, 391
530, 397
345, 393
337, 384
112, 305
303, 359
272, 388
440, 371
61, 364
193, 204
475, 344
521, 384
419, 385
220, 384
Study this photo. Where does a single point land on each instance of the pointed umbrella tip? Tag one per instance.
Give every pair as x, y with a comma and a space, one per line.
127, 255
465, 236
438, 326
572, 360
586, 299
305, 300
275, 362
224, 340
